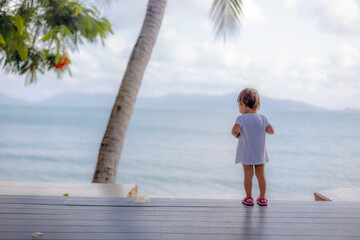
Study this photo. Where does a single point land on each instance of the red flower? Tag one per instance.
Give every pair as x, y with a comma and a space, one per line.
63, 61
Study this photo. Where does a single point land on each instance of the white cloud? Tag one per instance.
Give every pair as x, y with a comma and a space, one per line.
291, 4
186, 52
123, 15
116, 44
232, 59
347, 56
198, 4
253, 14
311, 71
279, 66
311, 62
332, 15
341, 15
228, 54
86, 59
170, 34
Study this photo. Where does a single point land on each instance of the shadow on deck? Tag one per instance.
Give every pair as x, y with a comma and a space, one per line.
174, 218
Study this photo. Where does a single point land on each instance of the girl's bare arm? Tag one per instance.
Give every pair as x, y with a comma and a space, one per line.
235, 131
269, 129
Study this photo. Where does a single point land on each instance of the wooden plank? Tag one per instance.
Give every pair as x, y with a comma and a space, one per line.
187, 214
74, 189
255, 211
274, 218
11, 196
239, 230
224, 203
242, 209
293, 209
83, 222
177, 211
245, 237
82, 229
320, 197
185, 222
59, 209
80, 217
107, 226
69, 207
81, 236
190, 214
31, 201
169, 201
261, 224
262, 231
77, 207
90, 212
339, 195
234, 204
264, 219
215, 222
179, 216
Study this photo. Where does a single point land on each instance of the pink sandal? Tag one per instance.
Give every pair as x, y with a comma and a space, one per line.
262, 201
244, 201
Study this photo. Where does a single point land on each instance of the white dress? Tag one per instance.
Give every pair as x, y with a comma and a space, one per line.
251, 149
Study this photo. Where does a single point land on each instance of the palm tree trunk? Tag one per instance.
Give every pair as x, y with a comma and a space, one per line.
113, 140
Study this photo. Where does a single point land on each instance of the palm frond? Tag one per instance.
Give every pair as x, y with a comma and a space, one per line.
226, 17
5, 5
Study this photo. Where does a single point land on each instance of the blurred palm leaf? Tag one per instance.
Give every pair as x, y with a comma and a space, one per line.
226, 17
4, 4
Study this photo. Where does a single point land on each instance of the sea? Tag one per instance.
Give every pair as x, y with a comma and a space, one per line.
178, 153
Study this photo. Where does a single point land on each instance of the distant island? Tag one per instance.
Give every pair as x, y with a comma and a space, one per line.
172, 100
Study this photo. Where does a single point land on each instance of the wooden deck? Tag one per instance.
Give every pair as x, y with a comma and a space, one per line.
338, 195
169, 218
70, 188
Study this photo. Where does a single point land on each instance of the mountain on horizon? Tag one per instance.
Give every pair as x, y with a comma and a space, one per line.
172, 100
228, 101
79, 99
7, 100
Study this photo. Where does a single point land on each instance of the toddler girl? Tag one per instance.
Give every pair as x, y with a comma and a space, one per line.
250, 129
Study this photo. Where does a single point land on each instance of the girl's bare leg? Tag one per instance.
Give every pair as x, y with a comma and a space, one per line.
260, 175
248, 175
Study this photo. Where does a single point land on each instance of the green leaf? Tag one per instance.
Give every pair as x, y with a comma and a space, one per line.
67, 30
23, 52
226, 16
47, 36
23, 71
2, 40
107, 24
19, 24
78, 10
33, 77
88, 22
57, 49
53, 24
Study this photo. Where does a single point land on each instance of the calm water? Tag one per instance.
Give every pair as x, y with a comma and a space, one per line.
181, 153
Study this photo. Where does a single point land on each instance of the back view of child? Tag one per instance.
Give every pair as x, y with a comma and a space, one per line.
250, 128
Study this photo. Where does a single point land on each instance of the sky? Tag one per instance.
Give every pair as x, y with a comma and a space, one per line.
303, 50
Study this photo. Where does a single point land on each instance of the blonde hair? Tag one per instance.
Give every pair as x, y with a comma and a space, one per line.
250, 97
